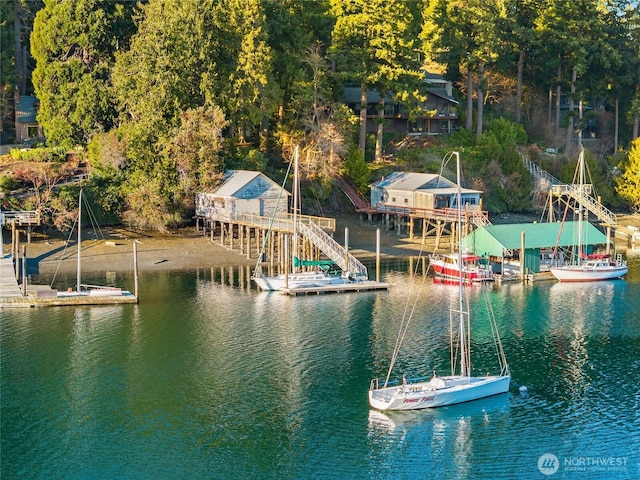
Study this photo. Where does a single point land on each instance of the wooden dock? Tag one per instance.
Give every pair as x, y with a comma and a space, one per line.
32, 301
336, 288
44, 296
8, 284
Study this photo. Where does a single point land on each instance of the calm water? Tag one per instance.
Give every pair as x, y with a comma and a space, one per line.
209, 378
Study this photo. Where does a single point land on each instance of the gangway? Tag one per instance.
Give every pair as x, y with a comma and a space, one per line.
333, 249
554, 187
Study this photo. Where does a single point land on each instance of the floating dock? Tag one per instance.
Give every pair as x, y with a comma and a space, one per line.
9, 287
337, 288
32, 301
11, 295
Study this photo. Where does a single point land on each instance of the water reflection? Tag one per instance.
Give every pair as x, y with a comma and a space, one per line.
209, 377
450, 439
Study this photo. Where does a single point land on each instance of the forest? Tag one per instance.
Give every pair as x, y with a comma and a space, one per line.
160, 97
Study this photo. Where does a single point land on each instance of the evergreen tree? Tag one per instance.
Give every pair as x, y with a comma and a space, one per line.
296, 28
8, 76
170, 68
74, 43
248, 68
373, 45
628, 184
464, 31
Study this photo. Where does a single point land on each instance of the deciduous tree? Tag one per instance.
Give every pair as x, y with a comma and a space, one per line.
628, 184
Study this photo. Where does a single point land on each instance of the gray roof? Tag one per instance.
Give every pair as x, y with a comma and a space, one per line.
436, 84
442, 93
412, 181
235, 180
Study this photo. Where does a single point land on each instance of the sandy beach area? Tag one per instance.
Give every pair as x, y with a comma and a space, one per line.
188, 249
184, 249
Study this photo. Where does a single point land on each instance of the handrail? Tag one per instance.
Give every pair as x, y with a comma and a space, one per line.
559, 188
332, 249
475, 215
281, 221
26, 217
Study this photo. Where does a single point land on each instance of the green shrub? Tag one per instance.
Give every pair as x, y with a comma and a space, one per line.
49, 154
7, 183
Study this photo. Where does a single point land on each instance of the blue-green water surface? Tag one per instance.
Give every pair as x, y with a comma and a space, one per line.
209, 378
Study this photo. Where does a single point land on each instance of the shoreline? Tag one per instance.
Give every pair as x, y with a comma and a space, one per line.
179, 250
187, 249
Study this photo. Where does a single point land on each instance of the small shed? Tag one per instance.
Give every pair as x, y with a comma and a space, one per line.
421, 191
540, 239
243, 192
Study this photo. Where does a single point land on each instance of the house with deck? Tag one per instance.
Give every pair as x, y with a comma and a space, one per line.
421, 191
243, 192
438, 112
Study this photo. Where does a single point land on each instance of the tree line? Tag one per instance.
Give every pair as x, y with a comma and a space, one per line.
162, 96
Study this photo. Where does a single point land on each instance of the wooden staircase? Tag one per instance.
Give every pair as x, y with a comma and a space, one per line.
353, 194
333, 249
550, 184
602, 213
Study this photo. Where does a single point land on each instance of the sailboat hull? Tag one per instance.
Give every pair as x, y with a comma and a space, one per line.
431, 394
589, 272
448, 266
298, 280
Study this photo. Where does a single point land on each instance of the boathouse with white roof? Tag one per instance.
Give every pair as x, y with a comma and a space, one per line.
243, 192
421, 191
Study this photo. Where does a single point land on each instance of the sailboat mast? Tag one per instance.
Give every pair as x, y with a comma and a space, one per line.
464, 367
296, 200
79, 238
581, 191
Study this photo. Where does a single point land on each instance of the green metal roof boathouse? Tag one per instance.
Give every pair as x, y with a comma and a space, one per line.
500, 242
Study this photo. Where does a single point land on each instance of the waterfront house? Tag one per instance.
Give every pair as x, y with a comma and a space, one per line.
426, 191
243, 192
27, 126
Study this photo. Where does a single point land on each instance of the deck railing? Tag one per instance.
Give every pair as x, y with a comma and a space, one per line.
281, 221
28, 217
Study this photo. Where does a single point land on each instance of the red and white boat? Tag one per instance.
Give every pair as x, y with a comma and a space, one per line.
473, 270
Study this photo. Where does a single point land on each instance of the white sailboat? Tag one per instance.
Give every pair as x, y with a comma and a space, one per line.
86, 289
588, 268
297, 279
456, 388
